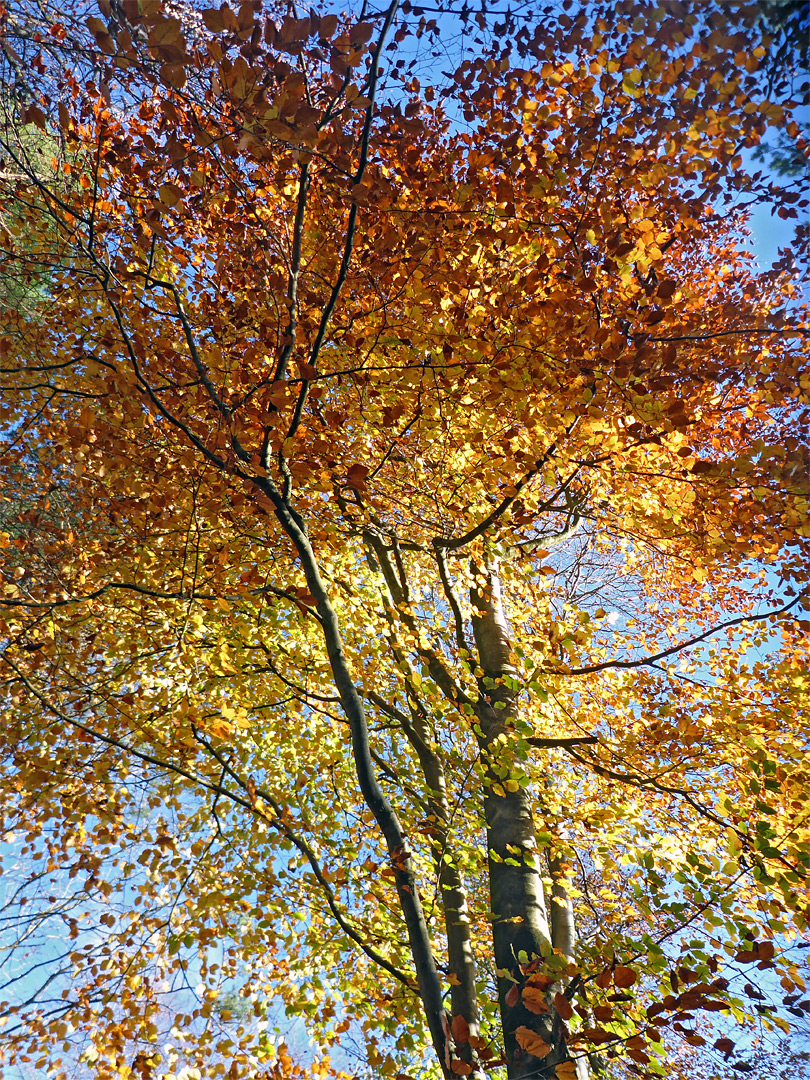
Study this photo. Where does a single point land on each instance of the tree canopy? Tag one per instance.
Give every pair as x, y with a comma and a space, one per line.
405, 534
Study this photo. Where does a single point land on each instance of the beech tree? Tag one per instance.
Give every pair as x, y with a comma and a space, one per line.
405, 583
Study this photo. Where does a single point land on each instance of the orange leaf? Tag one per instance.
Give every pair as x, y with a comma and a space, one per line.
531, 1042
534, 1000
512, 996
460, 1068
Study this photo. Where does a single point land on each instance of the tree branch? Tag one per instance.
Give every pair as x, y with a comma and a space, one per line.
589, 669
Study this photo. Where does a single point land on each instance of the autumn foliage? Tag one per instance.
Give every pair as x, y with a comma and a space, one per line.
405, 535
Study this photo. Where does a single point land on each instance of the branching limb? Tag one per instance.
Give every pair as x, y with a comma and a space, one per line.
279, 822
351, 225
451, 597
644, 661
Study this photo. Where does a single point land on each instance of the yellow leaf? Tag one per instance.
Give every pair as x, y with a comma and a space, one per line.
220, 728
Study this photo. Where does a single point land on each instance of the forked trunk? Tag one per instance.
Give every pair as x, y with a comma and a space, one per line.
461, 966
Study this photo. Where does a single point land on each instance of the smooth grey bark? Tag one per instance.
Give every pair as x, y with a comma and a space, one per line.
563, 928
461, 965
522, 929
453, 898
561, 909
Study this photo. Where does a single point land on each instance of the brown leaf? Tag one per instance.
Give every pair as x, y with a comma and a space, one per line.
725, 1046
624, 977
306, 600
294, 30
174, 75
307, 370
563, 1006
460, 1029
597, 1035
171, 194
214, 20
362, 32
639, 1056
31, 114
356, 475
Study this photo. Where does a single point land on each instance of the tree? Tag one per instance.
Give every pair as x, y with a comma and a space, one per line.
787, 26
404, 620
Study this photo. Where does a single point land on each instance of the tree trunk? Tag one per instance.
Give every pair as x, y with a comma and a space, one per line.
523, 934
452, 892
453, 898
427, 976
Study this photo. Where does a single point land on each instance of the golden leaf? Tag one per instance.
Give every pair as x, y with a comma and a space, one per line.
531, 1042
